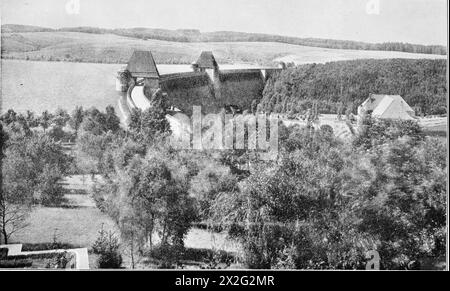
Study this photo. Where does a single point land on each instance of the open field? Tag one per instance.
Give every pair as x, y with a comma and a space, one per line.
77, 222
109, 48
435, 126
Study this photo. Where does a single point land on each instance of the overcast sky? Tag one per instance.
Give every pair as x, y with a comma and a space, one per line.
414, 21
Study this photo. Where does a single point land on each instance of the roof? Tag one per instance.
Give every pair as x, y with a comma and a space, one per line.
382, 106
372, 102
207, 60
375, 99
390, 107
142, 65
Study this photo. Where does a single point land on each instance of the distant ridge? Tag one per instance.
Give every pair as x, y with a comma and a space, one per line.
193, 35
17, 28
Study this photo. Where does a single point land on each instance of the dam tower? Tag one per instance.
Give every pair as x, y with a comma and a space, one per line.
207, 63
143, 70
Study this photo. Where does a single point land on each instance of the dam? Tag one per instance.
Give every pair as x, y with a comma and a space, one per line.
206, 85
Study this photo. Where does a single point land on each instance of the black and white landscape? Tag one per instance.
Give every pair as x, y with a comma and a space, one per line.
216, 134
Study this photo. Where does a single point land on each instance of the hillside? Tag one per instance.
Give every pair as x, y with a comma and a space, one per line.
193, 35
11, 28
111, 48
346, 84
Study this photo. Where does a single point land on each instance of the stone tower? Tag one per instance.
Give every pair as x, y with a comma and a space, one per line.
143, 70
207, 63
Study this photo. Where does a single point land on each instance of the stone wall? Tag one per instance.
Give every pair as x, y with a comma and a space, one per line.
228, 87
189, 89
241, 87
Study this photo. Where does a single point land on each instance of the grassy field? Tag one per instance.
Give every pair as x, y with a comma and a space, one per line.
435, 126
77, 221
108, 48
432, 126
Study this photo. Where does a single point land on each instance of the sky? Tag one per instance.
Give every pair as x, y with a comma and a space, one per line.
413, 21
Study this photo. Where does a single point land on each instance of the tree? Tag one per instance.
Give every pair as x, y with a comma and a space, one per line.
91, 150
94, 122
32, 119
76, 118
13, 217
372, 131
30, 163
9, 117
147, 199
290, 206
60, 118
211, 180
107, 247
422, 83
112, 120
398, 196
149, 125
45, 120
12, 214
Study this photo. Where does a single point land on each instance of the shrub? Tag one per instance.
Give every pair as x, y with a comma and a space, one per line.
47, 246
61, 261
3, 253
107, 247
15, 264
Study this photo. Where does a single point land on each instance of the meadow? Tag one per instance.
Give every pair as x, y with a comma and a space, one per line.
109, 48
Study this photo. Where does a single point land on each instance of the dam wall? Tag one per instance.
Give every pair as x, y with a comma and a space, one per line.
206, 86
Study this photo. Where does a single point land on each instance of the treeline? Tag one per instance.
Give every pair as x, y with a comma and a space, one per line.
340, 86
193, 35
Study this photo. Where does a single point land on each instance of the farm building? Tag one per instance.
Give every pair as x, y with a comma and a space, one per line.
206, 86
387, 107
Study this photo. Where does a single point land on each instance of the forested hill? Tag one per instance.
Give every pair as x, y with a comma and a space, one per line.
346, 84
193, 35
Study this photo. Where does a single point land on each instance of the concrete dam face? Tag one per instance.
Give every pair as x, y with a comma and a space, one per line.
206, 86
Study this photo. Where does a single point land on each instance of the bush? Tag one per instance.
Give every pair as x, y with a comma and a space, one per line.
46, 260
15, 264
61, 261
47, 246
171, 256
107, 247
3, 253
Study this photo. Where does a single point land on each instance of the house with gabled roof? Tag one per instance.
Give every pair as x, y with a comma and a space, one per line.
387, 107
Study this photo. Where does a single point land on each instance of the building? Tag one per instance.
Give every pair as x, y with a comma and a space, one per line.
206, 86
387, 107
